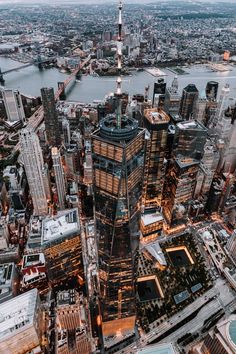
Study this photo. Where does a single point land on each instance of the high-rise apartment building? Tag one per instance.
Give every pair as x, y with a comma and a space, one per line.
34, 165
50, 117
59, 176
118, 160
13, 105
188, 101
156, 122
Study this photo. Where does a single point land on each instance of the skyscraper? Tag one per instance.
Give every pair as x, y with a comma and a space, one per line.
189, 140
172, 99
156, 122
159, 93
50, 117
13, 105
179, 189
118, 160
212, 90
59, 176
33, 162
188, 101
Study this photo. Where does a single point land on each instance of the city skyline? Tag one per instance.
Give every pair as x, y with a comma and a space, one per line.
117, 178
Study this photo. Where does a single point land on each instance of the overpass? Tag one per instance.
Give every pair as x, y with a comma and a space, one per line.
37, 118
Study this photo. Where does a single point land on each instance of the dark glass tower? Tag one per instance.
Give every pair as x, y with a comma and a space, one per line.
50, 117
212, 90
118, 166
188, 101
156, 122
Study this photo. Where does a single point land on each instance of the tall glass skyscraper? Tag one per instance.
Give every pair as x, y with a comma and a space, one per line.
118, 164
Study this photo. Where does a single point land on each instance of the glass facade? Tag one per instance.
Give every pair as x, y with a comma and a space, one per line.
156, 122
118, 179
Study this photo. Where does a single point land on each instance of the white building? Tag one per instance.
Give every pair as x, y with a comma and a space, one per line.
20, 319
13, 105
59, 176
33, 161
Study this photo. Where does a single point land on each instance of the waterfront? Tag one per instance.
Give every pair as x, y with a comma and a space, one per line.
29, 81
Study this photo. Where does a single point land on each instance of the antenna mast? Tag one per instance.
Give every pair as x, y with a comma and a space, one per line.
119, 65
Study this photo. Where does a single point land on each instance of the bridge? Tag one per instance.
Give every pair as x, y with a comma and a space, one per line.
37, 118
37, 62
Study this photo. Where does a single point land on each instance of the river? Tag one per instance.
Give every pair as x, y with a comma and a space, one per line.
29, 81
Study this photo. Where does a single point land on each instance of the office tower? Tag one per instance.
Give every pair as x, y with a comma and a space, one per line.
159, 91
118, 160
72, 325
156, 122
21, 323
50, 117
212, 90
188, 101
61, 245
59, 176
207, 169
13, 105
231, 245
46, 181
66, 131
200, 111
221, 339
172, 99
226, 132
179, 189
71, 162
189, 140
222, 105
33, 162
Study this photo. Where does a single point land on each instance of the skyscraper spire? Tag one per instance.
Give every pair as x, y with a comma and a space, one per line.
119, 56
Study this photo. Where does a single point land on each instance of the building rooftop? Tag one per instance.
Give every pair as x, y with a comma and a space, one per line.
65, 223
166, 348
31, 260
6, 272
186, 161
155, 250
156, 116
191, 124
191, 88
148, 219
17, 313
66, 297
